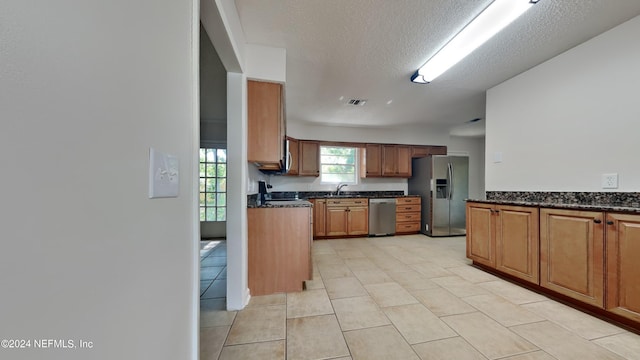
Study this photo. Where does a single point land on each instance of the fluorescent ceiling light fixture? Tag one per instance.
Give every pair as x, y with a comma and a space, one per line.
488, 23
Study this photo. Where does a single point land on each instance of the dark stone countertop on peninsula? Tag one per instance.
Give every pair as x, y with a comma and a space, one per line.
300, 198
281, 204
628, 202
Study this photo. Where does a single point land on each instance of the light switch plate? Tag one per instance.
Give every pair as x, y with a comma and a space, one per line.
609, 181
164, 180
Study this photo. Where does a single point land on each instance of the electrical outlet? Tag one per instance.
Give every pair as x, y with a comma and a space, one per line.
609, 181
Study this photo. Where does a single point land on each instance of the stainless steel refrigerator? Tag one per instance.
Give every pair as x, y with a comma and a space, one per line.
443, 183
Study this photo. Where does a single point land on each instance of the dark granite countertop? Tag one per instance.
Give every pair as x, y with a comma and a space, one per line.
282, 204
559, 205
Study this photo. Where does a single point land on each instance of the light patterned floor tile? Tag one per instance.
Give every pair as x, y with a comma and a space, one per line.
358, 313
390, 294
381, 343
459, 287
562, 343
430, 270
360, 264
441, 302
417, 324
472, 274
447, 349
211, 341
260, 323
308, 303
272, 350
372, 276
267, 300
514, 293
487, 336
625, 344
501, 310
333, 271
578, 322
344, 287
315, 337
536, 355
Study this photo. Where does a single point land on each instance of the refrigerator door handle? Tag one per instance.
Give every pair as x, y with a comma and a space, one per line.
450, 169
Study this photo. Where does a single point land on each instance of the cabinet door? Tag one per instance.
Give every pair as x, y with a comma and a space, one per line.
358, 220
623, 272
309, 158
403, 161
336, 221
572, 254
293, 150
264, 117
319, 213
481, 233
517, 239
372, 161
389, 160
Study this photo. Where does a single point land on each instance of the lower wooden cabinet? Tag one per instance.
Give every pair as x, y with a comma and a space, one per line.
408, 214
347, 217
572, 254
319, 217
623, 270
279, 249
504, 237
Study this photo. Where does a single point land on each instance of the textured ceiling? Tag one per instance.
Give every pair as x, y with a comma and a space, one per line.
368, 49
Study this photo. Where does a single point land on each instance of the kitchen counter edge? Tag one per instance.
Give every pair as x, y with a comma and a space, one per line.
593, 207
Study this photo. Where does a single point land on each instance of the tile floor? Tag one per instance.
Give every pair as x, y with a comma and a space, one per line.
213, 270
406, 297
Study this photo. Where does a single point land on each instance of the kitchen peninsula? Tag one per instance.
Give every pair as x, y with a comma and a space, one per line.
581, 248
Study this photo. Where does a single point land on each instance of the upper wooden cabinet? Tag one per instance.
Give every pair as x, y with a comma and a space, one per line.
309, 163
266, 130
623, 272
371, 161
396, 160
418, 151
294, 153
572, 254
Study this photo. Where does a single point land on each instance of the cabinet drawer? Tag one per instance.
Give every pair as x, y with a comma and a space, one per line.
407, 227
408, 200
407, 217
347, 202
408, 208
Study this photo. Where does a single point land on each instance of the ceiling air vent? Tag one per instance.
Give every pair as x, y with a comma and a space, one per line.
357, 102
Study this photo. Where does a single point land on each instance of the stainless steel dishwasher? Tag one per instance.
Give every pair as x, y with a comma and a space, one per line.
382, 217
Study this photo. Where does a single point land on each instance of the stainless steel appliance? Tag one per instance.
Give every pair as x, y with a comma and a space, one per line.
443, 184
382, 217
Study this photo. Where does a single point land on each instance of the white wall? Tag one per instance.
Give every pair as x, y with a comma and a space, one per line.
562, 124
87, 88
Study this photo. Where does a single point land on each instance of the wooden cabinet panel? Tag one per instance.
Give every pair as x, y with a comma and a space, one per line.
279, 249
265, 123
623, 271
517, 239
572, 254
336, 221
319, 215
481, 233
408, 215
389, 160
419, 151
309, 158
294, 151
358, 220
372, 161
403, 161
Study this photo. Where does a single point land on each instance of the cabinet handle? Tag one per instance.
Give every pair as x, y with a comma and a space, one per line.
609, 222
597, 221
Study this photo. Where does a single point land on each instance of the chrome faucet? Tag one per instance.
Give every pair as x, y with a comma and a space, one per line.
340, 186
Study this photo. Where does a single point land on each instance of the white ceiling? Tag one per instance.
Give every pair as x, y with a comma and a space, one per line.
368, 49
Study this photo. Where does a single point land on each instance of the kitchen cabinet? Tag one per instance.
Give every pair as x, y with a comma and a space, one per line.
266, 128
408, 215
505, 238
279, 252
623, 272
396, 160
371, 161
319, 216
294, 153
418, 151
347, 217
309, 158
572, 254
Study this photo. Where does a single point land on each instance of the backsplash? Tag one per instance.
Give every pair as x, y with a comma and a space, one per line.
628, 199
